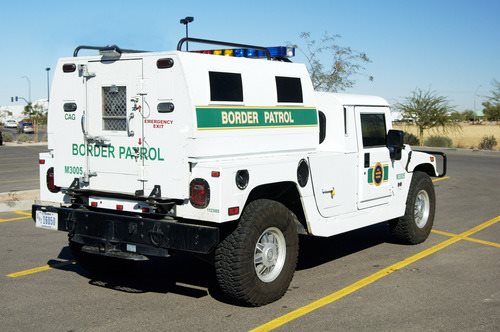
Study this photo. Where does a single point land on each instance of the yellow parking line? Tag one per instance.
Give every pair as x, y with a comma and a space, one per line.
470, 239
370, 279
16, 218
441, 179
38, 269
23, 213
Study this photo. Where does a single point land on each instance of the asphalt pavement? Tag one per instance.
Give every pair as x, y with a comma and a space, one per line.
357, 281
19, 167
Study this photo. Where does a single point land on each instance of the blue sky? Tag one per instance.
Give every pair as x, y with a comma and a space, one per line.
452, 47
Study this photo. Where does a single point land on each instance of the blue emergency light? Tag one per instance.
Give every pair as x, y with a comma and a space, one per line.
276, 52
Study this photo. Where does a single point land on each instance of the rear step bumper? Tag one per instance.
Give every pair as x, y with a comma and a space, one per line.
131, 237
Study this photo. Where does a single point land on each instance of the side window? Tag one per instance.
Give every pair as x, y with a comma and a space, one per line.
225, 86
289, 89
373, 129
322, 126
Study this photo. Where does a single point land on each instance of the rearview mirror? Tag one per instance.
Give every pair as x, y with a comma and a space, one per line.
394, 142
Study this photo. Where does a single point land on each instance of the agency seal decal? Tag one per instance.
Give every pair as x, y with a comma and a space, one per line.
378, 174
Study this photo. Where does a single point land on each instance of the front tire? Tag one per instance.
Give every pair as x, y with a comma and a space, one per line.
254, 265
414, 227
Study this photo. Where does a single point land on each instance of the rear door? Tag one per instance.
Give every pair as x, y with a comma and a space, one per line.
375, 166
113, 125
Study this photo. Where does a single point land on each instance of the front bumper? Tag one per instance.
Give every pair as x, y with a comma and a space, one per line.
131, 236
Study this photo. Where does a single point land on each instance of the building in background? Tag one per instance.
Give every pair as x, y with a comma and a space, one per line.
16, 111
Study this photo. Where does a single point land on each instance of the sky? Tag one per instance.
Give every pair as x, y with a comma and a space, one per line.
451, 47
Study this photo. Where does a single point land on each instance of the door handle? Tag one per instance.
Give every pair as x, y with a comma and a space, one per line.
329, 191
130, 132
84, 131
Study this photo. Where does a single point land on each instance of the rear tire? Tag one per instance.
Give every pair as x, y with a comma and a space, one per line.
414, 227
254, 265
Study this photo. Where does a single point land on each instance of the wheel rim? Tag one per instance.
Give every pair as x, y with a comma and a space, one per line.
270, 254
422, 208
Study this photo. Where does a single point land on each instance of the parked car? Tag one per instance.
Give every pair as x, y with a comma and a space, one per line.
11, 123
25, 127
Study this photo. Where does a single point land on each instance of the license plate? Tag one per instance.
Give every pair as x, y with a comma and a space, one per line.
46, 220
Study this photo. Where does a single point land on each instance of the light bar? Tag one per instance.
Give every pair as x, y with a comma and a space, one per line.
276, 52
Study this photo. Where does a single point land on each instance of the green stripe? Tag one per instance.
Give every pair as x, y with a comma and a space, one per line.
370, 175
386, 172
247, 117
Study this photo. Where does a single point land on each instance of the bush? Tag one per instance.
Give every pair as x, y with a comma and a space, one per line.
7, 137
488, 142
411, 139
439, 141
23, 138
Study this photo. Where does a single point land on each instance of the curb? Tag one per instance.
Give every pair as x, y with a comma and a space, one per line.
24, 143
18, 200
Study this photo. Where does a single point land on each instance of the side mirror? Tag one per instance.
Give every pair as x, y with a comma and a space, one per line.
394, 142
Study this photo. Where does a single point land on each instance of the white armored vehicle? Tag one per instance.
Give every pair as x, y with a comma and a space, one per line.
223, 154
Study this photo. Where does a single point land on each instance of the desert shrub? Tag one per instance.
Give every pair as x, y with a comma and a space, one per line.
23, 138
439, 141
488, 142
7, 137
411, 139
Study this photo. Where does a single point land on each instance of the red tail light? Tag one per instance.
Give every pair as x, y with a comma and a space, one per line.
50, 181
199, 193
232, 211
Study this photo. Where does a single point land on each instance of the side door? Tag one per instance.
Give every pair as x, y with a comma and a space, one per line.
375, 166
334, 182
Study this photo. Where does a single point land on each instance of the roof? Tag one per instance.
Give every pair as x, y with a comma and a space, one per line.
353, 99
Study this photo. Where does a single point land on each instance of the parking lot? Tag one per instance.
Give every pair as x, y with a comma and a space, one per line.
360, 280
40, 136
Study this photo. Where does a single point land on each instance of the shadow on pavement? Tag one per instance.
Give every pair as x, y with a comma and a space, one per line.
187, 275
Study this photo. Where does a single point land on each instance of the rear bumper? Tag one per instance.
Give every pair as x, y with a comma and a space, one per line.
119, 235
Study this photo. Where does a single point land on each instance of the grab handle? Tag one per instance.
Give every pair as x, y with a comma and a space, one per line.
130, 132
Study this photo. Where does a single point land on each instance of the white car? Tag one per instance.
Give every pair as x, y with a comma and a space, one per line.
10, 123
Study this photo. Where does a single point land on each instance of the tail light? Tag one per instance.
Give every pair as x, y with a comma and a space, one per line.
199, 193
50, 181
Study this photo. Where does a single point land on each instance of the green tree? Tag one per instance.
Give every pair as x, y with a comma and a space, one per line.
427, 110
456, 116
36, 114
330, 65
469, 115
491, 109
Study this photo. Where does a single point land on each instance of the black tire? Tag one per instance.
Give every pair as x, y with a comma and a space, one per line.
235, 271
414, 227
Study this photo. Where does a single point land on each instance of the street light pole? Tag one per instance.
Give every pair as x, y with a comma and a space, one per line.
186, 21
475, 95
29, 87
48, 90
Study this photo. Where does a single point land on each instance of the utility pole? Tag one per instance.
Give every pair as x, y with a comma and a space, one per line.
48, 88
29, 87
